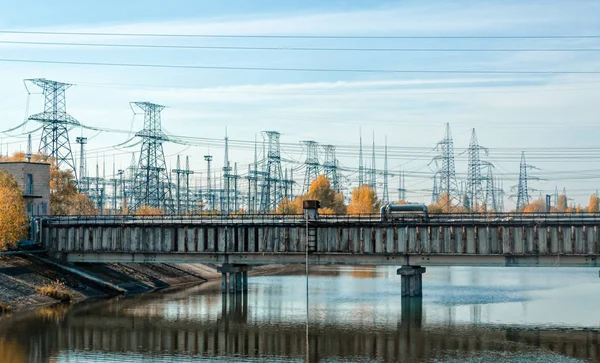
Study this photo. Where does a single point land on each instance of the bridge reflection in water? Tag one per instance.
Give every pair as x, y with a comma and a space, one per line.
158, 325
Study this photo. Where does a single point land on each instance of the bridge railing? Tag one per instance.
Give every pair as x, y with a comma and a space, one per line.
282, 219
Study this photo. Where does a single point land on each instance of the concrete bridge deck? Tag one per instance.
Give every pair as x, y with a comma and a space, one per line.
546, 240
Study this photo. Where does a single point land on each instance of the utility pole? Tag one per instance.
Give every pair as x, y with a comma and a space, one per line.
435, 193
56, 121
235, 188
386, 173
373, 170
123, 194
209, 192
360, 162
114, 181
401, 188
178, 171
83, 184
227, 176
29, 149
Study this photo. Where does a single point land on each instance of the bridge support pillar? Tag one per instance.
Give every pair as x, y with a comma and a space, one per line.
224, 285
412, 280
234, 278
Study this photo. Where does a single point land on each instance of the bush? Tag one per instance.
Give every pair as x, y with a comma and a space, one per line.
5, 308
56, 291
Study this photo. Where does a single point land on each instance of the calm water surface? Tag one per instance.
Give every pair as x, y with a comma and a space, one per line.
355, 314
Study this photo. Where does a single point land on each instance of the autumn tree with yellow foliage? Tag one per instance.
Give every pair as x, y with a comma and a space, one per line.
445, 205
561, 205
13, 214
594, 205
320, 189
364, 201
147, 210
537, 206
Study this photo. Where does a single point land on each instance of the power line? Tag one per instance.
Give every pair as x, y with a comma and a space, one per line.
109, 34
304, 49
190, 66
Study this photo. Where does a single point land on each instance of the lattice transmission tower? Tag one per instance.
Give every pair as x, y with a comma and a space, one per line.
152, 186
330, 167
522, 189
491, 195
475, 192
446, 171
56, 121
311, 163
271, 194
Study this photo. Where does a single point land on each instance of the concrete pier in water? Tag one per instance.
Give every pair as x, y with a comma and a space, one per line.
412, 280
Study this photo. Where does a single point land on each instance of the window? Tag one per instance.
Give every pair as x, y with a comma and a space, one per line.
29, 186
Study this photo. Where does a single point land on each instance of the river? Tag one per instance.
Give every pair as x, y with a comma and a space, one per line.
355, 314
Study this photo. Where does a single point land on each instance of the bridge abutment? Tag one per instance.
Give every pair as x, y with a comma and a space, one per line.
412, 280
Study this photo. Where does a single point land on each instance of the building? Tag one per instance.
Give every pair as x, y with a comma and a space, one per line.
34, 180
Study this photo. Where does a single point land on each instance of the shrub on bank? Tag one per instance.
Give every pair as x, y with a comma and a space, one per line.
5, 308
56, 291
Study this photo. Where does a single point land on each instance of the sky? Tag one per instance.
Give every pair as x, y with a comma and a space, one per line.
544, 114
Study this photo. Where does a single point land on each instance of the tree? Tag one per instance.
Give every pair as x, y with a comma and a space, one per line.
290, 207
364, 201
81, 205
562, 204
594, 204
444, 205
13, 214
320, 189
62, 191
538, 206
147, 210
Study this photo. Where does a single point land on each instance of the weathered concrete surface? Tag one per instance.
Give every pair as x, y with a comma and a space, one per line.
334, 243
21, 276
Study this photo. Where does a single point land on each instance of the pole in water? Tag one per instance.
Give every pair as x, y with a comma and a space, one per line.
307, 307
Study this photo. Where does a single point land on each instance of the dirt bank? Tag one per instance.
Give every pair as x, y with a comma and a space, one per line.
21, 277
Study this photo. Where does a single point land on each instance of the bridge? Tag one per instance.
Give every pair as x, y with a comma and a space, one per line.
238, 242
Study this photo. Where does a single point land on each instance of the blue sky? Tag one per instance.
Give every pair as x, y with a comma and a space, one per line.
508, 111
